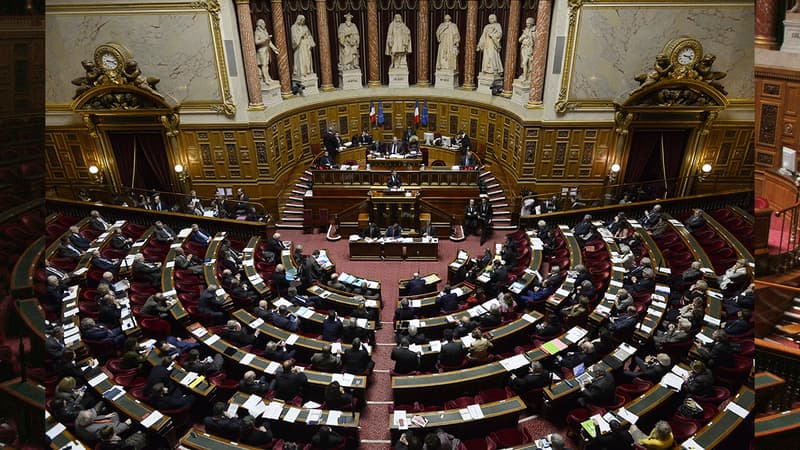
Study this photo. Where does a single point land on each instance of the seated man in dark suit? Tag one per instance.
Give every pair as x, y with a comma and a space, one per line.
234, 334
199, 235
415, 285
394, 231
54, 293
284, 319
77, 239
326, 361
356, 359
695, 221
536, 377
623, 322
740, 325
68, 250
98, 332
325, 161
163, 233
240, 290
275, 245
288, 382
405, 360
188, 262
468, 160
428, 230
453, 352
405, 311
97, 222
599, 391
279, 282
447, 300
249, 384
651, 368
743, 300
395, 147
332, 327
205, 366
219, 423
394, 181
166, 398
150, 272
371, 231
700, 380
276, 351
208, 303
106, 264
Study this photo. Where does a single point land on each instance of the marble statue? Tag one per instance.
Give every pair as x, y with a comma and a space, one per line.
526, 41
302, 43
398, 42
448, 37
490, 44
349, 39
263, 46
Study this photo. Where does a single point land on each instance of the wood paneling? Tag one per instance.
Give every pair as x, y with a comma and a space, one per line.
777, 97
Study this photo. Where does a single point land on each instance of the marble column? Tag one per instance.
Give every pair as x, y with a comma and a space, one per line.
766, 24
423, 76
540, 52
323, 37
470, 44
512, 47
279, 33
373, 52
248, 43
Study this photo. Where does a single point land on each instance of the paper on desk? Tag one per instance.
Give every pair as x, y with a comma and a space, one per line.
55, 431
738, 410
314, 416
257, 323
436, 346
467, 340
415, 348
690, 444
232, 408
575, 334
400, 420
528, 318
616, 283
98, 379
273, 410
251, 401
333, 417
152, 419
475, 411
291, 414
601, 422
465, 415
199, 331
628, 416
247, 358
416, 303
272, 367
711, 320
645, 328
703, 338
679, 371
190, 376
361, 322
371, 303
514, 362
672, 381
212, 339
292, 339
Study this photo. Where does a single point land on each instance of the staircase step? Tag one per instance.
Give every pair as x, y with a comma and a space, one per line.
499, 205
288, 226
293, 212
491, 193
291, 219
501, 213
505, 227
301, 186
306, 179
294, 198
294, 205
298, 192
493, 186
308, 172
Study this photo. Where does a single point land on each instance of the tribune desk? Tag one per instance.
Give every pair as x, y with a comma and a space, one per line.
24, 399
412, 249
767, 385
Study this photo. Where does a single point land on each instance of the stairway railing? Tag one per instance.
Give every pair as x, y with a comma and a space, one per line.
787, 246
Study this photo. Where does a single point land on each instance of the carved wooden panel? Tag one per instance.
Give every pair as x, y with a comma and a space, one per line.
766, 128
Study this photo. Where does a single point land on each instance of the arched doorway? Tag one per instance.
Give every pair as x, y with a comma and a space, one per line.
142, 161
657, 154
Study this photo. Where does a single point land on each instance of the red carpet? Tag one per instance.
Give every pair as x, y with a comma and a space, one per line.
779, 243
375, 417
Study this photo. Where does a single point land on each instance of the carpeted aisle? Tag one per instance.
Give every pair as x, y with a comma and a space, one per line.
375, 417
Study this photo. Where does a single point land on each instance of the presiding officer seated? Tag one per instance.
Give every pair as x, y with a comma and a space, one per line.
325, 161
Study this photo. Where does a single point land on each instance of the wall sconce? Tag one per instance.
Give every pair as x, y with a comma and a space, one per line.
182, 175
705, 171
613, 173
94, 173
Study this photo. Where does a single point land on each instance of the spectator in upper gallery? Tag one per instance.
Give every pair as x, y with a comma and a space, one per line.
97, 222
163, 233
695, 221
241, 201
158, 205
550, 205
194, 205
144, 202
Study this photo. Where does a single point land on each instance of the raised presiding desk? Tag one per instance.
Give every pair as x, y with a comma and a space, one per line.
413, 249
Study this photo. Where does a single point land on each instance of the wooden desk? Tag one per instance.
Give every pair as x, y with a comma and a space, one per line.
348, 420
694, 246
741, 250
394, 163
341, 302
203, 389
59, 436
30, 311
249, 265
726, 421
575, 254
431, 280
412, 249
200, 440
767, 385
496, 415
654, 253
786, 424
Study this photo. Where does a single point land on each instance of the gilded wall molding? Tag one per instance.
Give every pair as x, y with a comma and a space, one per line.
562, 105
227, 107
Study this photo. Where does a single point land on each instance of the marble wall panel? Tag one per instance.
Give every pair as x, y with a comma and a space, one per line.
616, 43
176, 47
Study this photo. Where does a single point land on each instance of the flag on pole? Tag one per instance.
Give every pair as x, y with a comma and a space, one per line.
416, 114
372, 116
424, 119
380, 113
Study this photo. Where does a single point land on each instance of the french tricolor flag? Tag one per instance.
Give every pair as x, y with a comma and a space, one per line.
372, 116
416, 114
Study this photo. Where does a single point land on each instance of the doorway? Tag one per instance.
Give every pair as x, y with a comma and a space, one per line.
142, 160
648, 167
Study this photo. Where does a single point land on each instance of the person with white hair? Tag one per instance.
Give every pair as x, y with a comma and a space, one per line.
89, 423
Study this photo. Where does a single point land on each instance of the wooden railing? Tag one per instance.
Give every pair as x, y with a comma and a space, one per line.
784, 362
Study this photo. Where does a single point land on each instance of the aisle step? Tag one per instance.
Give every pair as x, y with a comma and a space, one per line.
296, 199
294, 205
292, 219
296, 191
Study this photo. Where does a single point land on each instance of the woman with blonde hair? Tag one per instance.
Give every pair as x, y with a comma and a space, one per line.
660, 437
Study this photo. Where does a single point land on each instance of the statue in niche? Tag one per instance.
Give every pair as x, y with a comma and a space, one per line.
133, 75
490, 44
661, 68
448, 37
263, 46
526, 42
302, 43
349, 40
398, 42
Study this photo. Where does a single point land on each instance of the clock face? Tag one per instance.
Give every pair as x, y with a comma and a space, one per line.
109, 61
686, 56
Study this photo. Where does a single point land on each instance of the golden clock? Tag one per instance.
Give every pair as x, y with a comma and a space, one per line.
684, 52
111, 56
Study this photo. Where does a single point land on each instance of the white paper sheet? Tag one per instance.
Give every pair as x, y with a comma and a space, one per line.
152, 419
